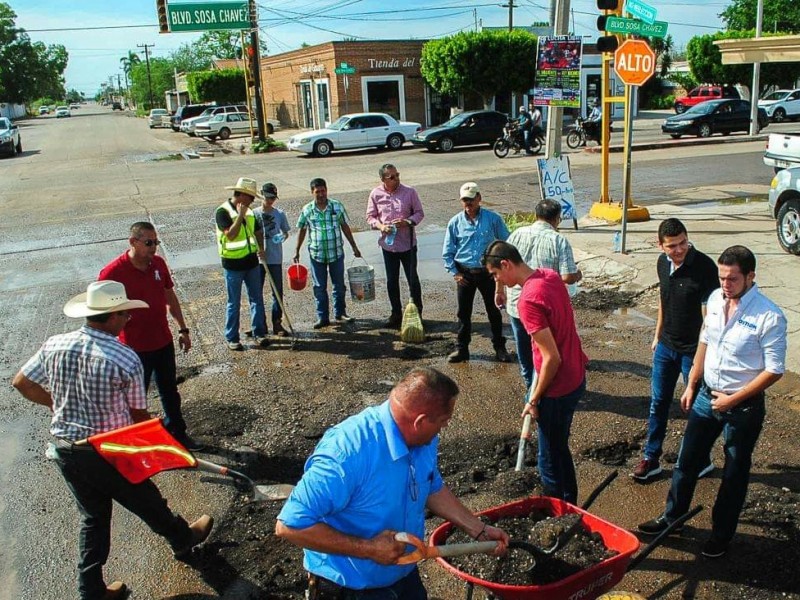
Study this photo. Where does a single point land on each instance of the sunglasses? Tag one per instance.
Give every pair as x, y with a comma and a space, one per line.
394, 177
151, 243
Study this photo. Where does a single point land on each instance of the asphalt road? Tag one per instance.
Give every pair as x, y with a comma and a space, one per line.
67, 202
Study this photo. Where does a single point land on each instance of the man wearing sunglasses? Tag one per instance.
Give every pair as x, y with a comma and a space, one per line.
395, 210
465, 240
146, 277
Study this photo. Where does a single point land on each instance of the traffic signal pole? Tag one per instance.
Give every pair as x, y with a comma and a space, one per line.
256, 71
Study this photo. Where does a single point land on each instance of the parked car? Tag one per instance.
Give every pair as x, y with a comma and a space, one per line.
703, 93
465, 129
74, 106
783, 151
10, 140
781, 105
223, 126
714, 116
188, 124
186, 112
357, 130
116, 106
44, 110
154, 119
63, 111
784, 204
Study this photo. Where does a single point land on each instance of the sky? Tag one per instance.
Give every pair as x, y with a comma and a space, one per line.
287, 24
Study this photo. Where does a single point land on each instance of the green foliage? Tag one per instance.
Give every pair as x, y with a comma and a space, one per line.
486, 63
518, 219
684, 80
161, 77
226, 86
268, 145
779, 15
660, 102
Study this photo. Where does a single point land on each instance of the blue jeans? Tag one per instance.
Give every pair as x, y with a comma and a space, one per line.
556, 468
667, 365
524, 350
319, 275
276, 271
408, 588
233, 283
740, 428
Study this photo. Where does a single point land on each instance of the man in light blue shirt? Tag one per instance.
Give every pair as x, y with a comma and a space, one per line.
468, 235
741, 353
371, 476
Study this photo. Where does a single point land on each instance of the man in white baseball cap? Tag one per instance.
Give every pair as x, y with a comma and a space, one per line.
96, 384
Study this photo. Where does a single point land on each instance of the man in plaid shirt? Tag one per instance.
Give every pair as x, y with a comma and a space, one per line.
325, 220
93, 383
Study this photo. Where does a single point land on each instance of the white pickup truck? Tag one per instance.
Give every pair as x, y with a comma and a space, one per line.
783, 151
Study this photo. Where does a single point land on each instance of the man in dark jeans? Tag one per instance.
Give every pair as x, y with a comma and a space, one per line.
395, 210
468, 235
686, 279
146, 277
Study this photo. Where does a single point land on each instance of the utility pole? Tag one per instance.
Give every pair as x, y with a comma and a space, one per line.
256, 71
147, 62
510, 6
555, 114
756, 73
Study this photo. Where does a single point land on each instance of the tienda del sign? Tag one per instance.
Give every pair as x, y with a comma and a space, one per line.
206, 16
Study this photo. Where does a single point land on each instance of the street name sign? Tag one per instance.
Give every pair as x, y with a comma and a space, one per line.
639, 9
206, 16
344, 69
634, 62
635, 26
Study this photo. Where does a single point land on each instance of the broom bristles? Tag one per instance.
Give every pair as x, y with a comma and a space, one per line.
411, 331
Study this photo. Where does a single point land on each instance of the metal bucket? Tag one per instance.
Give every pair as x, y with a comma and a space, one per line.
362, 282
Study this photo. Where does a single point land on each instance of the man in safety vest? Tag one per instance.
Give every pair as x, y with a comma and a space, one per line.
239, 240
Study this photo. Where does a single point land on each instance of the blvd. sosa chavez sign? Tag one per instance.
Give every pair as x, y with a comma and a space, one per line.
206, 16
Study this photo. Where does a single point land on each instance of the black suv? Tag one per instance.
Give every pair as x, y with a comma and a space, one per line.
116, 106
186, 112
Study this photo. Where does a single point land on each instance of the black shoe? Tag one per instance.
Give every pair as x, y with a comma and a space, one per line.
187, 442
344, 318
393, 322
657, 525
321, 323
501, 355
713, 548
115, 591
261, 342
458, 356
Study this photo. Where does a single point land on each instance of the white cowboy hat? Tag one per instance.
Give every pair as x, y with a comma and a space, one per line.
101, 297
245, 185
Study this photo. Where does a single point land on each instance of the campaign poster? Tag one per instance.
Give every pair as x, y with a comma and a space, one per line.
558, 71
555, 183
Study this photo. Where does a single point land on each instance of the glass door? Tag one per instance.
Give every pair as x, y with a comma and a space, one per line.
323, 104
305, 105
384, 94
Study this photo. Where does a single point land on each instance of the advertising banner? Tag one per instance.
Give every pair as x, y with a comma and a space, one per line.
558, 71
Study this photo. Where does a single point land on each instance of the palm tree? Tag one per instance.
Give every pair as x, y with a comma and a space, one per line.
128, 62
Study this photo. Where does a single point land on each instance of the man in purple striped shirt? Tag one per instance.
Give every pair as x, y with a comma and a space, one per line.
395, 210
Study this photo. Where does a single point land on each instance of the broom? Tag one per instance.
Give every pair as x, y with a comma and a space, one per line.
411, 331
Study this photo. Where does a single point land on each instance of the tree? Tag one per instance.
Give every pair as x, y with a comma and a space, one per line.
779, 15
486, 63
225, 86
161, 77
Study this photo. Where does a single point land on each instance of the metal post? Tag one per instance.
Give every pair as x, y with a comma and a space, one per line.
256, 71
555, 114
630, 102
756, 74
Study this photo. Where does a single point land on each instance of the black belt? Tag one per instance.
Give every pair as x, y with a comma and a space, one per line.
320, 588
64, 444
464, 269
751, 401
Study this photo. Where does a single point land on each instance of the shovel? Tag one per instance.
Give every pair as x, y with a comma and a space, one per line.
261, 493
283, 308
526, 428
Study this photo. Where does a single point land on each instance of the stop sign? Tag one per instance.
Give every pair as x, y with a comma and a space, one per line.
634, 62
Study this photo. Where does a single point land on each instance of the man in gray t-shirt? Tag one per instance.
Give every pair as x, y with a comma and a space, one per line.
275, 227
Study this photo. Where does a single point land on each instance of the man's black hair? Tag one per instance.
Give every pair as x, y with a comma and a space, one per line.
140, 226
318, 182
498, 251
740, 256
548, 210
670, 228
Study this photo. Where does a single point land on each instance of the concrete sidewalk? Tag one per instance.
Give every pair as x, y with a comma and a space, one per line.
712, 227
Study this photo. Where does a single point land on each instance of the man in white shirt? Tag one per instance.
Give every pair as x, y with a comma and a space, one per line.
742, 352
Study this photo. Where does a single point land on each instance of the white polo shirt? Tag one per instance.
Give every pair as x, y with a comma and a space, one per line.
752, 341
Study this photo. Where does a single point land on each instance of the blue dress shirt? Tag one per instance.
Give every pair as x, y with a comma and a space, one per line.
361, 480
465, 241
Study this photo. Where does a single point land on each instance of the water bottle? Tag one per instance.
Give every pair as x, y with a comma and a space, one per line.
617, 244
278, 238
390, 236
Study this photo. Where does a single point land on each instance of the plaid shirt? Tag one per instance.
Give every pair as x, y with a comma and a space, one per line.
325, 244
94, 380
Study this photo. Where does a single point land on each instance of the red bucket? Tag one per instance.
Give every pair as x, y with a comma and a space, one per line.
298, 276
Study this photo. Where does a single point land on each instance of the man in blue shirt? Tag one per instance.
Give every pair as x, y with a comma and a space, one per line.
371, 476
468, 235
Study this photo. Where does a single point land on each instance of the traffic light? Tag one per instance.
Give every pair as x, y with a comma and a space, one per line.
163, 17
607, 43
251, 65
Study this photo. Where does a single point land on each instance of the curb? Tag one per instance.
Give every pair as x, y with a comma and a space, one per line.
682, 143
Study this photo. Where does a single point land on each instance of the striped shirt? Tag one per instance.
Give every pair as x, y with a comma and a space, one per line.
94, 379
325, 244
541, 247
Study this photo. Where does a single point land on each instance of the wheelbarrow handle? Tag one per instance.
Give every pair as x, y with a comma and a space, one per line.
597, 491
423, 552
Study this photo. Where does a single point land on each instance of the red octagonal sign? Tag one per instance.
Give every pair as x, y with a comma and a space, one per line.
634, 62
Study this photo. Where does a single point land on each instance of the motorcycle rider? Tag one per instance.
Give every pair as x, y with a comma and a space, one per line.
525, 125
536, 121
592, 123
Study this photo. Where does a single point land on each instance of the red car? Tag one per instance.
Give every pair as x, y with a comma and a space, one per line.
706, 92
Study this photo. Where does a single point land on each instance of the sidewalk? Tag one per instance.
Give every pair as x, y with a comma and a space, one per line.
712, 227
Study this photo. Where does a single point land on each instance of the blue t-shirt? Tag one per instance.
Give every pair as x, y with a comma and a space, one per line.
272, 221
361, 480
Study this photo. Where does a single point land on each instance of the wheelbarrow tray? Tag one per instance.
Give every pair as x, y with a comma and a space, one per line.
584, 585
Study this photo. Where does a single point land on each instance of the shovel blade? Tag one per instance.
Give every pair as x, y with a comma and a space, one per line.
277, 491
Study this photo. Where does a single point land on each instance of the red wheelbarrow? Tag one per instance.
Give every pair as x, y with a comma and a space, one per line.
584, 585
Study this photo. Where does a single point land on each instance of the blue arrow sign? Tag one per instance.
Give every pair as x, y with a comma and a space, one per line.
639, 9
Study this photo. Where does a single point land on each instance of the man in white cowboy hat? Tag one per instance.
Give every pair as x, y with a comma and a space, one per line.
93, 383
240, 241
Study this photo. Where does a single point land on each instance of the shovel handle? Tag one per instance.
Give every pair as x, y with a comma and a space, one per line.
422, 552
523, 439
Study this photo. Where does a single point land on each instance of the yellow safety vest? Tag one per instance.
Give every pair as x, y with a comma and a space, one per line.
244, 244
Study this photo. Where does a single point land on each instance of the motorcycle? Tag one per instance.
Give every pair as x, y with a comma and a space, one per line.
583, 131
513, 138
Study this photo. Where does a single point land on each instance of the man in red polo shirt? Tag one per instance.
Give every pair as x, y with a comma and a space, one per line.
146, 276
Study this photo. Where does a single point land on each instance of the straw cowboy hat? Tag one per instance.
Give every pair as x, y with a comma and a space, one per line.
245, 185
101, 297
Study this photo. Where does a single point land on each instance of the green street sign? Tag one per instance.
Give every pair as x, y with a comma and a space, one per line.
206, 16
635, 26
639, 9
344, 70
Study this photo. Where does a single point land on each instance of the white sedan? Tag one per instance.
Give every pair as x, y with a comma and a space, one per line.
359, 130
63, 111
223, 126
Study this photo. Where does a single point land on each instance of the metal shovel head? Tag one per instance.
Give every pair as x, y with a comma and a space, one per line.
272, 492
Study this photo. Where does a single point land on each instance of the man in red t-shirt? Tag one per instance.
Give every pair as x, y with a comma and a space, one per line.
146, 276
546, 313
